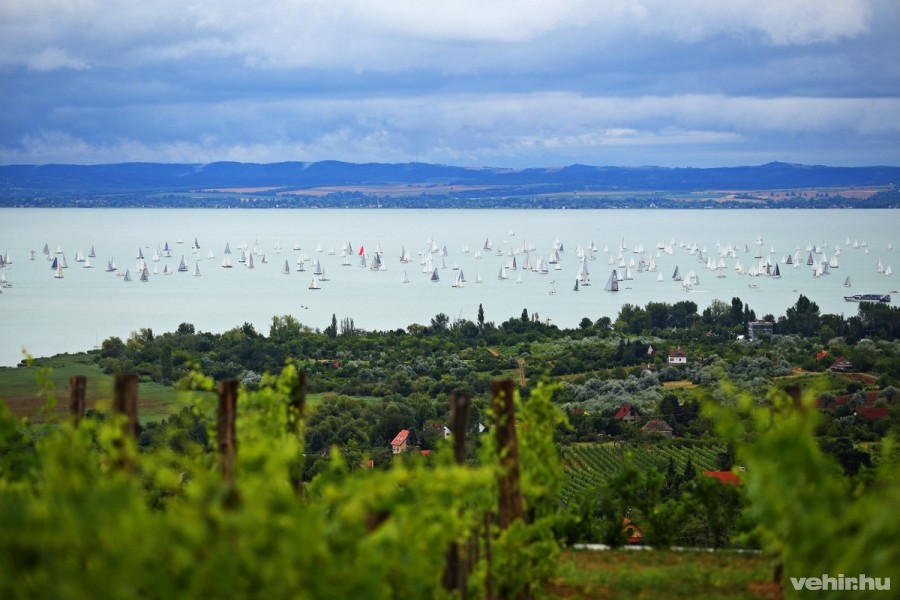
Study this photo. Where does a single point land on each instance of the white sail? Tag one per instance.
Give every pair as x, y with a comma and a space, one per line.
612, 285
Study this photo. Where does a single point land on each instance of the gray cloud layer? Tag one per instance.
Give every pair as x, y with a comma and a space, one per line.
480, 82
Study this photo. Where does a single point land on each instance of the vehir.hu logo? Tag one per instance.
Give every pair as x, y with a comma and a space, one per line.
841, 583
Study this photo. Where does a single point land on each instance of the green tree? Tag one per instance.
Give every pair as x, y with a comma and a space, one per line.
332, 330
439, 322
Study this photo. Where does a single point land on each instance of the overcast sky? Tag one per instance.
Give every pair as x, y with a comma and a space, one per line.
509, 83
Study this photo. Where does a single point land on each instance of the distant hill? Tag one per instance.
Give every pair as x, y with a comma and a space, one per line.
181, 177
418, 185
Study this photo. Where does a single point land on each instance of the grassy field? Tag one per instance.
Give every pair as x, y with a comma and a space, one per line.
26, 390
663, 574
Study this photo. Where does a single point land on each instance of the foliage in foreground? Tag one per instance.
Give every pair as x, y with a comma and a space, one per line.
85, 514
809, 514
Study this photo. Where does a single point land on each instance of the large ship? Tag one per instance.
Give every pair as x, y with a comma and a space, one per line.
868, 298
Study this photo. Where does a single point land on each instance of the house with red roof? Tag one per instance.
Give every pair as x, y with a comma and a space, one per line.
726, 477
398, 444
841, 364
627, 413
633, 533
678, 356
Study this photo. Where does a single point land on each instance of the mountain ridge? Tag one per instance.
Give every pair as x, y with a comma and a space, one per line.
181, 176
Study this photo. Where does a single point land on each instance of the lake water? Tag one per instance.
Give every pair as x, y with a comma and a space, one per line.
46, 315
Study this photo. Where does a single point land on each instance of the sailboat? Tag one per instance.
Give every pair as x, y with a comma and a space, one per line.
405, 277
87, 263
145, 276
250, 264
127, 275
197, 269
457, 283
612, 285
575, 289
478, 278
847, 282
502, 274
226, 261
182, 266
59, 272
286, 269
434, 276
888, 271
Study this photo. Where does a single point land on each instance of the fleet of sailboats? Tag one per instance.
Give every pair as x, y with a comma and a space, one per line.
630, 262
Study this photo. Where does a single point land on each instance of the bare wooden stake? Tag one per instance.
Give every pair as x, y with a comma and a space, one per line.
511, 505
228, 390
459, 419
489, 573
125, 398
456, 569
77, 388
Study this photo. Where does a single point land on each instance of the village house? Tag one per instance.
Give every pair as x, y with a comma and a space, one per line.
627, 413
398, 444
841, 364
758, 328
657, 427
633, 533
726, 477
677, 357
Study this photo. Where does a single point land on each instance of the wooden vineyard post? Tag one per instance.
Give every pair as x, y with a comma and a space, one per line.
77, 388
228, 390
511, 505
125, 396
456, 563
459, 419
